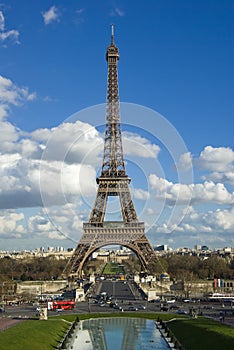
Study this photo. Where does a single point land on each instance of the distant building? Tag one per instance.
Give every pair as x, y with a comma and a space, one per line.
160, 248
204, 248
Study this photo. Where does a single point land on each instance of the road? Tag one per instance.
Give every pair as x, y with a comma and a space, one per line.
125, 294
89, 306
120, 290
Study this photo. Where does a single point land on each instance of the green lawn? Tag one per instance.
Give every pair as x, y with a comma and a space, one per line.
113, 269
202, 334
33, 335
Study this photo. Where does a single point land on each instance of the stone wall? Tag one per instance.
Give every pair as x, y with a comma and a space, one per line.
40, 287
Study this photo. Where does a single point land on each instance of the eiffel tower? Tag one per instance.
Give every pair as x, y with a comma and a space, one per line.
113, 181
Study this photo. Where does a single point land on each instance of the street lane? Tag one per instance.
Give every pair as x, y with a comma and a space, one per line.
118, 290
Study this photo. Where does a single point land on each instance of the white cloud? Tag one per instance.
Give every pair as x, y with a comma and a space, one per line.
14, 143
226, 177
208, 192
41, 134
67, 220
65, 177
23, 181
7, 34
220, 219
59, 182
52, 15
219, 161
2, 21
150, 211
11, 34
39, 225
11, 224
79, 17
29, 149
140, 194
211, 227
185, 161
117, 12
9, 134
11, 94
4, 109
71, 143
216, 159
66, 172
136, 145
58, 222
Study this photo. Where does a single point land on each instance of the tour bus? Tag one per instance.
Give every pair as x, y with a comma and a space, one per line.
221, 297
58, 305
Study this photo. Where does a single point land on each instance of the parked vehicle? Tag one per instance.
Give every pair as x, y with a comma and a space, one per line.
181, 312
172, 301
132, 308
174, 307
164, 308
140, 307
117, 307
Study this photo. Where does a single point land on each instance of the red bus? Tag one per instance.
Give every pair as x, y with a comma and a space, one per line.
61, 305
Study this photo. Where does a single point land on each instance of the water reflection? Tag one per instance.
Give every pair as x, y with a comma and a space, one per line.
117, 334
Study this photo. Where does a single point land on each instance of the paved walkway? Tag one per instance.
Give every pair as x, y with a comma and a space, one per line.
227, 320
7, 323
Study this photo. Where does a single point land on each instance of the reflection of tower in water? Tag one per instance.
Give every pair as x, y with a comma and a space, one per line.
112, 333
112, 182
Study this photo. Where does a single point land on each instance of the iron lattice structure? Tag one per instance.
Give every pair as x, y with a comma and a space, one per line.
113, 181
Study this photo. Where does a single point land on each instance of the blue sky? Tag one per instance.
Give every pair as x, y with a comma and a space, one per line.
176, 89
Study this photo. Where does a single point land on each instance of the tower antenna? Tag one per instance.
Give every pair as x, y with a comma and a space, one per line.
112, 33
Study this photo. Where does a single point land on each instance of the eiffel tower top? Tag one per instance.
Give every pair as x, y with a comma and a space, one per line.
113, 180
113, 162
112, 50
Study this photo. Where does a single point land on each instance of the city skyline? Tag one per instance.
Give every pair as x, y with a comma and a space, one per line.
176, 78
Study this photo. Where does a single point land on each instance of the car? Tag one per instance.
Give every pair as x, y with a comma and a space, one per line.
140, 307
132, 308
181, 312
102, 304
208, 307
164, 308
117, 307
174, 307
112, 304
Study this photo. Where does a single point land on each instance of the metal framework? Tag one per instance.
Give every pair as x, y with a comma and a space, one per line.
113, 181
